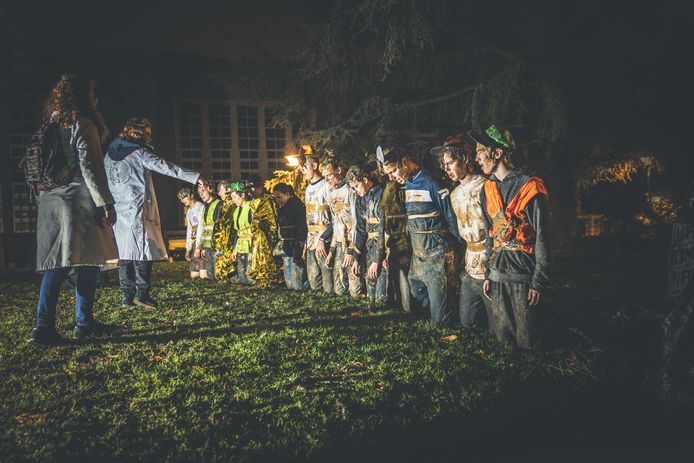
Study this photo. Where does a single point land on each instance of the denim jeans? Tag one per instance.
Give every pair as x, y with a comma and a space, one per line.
377, 290
135, 278
319, 275
294, 274
242, 268
85, 293
398, 284
344, 281
474, 308
429, 284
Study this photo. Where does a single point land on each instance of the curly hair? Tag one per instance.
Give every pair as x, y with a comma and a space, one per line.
135, 130
185, 192
69, 99
357, 173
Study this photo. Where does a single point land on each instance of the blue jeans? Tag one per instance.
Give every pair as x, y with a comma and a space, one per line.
294, 274
344, 282
429, 284
377, 290
85, 293
320, 276
242, 268
474, 308
135, 278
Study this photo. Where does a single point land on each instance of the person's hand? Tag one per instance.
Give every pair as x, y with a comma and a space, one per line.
533, 296
196, 253
404, 261
355, 268
372, 272
109, 217
486, 288
329, 260
188, 254
348, 261
203, 253
250, 257
303, 253
385, 263
233, 255
320, 250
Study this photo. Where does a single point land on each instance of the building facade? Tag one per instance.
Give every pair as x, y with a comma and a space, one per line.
196, 125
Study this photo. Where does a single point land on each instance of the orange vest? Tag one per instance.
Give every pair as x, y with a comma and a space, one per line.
510, 227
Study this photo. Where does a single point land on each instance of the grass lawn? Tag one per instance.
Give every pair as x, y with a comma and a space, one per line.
221, 373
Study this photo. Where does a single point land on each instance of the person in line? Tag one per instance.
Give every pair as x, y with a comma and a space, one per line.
515, 207
130, 161
342, 201
397, 238
241, 222
210, 216
433, 231
224, 234
369, 237
318, 222
292, 233
194, 211
73, 225
456, 158
264, 269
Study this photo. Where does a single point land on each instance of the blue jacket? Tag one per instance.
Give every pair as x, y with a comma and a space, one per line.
430, 217
370, 220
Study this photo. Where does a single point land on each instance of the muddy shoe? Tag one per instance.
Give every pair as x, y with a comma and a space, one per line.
92, 328
145, 301
45, 336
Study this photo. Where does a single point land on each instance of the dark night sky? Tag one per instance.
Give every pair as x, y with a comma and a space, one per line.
205, 27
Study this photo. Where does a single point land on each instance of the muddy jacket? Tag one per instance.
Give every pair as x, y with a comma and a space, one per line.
369, 226
430, 218
393, 205
194, 226
317, 214
129, 170
515, 265
342, 202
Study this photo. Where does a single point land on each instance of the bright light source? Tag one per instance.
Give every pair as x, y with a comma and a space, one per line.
292, 160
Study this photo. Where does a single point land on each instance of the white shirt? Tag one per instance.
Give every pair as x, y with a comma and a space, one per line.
465, 200
194, 223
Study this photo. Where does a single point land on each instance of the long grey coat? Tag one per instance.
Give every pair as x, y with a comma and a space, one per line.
129, 170
68, 226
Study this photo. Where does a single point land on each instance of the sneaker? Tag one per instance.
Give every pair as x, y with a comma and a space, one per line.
92, 328
146, 302
45, 336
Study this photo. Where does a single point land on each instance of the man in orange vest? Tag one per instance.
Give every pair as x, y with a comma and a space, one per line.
515, 208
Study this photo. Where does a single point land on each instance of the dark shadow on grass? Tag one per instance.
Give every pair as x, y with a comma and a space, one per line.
328, 322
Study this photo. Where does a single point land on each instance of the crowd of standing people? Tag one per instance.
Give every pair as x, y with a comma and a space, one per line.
388, 232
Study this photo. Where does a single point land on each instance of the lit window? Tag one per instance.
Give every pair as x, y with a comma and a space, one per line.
275, 141
190, 136
23, 213
23, 120
220, 140
249, 139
